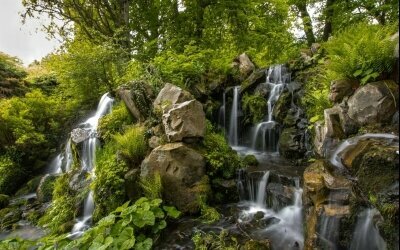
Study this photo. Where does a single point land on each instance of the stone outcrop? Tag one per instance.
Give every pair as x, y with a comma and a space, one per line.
244, 65
373, 103
341, 88
185, 120
45, 189
182, 170
291, 143
170, 95
137, 97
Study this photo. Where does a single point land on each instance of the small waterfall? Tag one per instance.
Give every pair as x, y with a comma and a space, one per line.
366, 235
233, 123
55, 165
262, 190
335, 158
88, 159
285, 227
266, 132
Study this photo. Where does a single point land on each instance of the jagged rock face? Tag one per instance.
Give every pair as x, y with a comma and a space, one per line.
374, 103
340, 89
291, 144
79, 135
185, 120
45, 189
169, 96
181, 170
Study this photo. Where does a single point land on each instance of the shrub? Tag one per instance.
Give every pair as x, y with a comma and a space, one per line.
11, 175
221, 159
115, 122
254, 107
108, 186
362, 52
212, 240
132, 144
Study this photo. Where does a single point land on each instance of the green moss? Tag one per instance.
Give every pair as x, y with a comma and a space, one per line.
213, 240
254, 107
250, 160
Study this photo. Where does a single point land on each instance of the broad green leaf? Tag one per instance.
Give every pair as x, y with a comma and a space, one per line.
144, 245
172, 212
128, 244
142, 219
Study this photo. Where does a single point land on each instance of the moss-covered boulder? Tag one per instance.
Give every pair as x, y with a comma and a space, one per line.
282, 107
45, 189
291, 143
8, 217
181, 169
250, 160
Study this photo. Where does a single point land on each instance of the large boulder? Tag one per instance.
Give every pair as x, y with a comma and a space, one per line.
182, 170
79, 135
185, 120
291, 143
257, 77
244, 65
170, 95
341, 88
373, 103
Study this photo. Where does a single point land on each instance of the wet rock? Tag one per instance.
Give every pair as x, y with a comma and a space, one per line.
336, 210
78, 180
375, 102
341, 88
137, 96
282, 107
170, 95
291, 143
257, 77
79, 135
257, 245
45, 189
181, 169
30, 187
224, 191
4, 201
337, 122
132, 186
278, 195
250, 160
8, 217
185, 120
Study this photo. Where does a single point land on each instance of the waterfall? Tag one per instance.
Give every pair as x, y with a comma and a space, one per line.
276, 80
88, 159
233, 122
286, 229
366, 235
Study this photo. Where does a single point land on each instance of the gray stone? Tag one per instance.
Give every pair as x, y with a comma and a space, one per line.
244, 64
45, 189
79, 135
185, 120
373, 103
154, 142
170, 95
341, 88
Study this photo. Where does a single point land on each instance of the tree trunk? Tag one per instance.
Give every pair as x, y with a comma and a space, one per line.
328, 19
307, 24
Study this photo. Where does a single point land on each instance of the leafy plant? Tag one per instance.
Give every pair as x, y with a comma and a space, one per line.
132, 144
152, 186
212, 240
362, 52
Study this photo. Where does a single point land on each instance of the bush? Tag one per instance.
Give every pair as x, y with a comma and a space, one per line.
221, 159
132, 144
254, 107
11, 175
362, 52
108, 186
114, 122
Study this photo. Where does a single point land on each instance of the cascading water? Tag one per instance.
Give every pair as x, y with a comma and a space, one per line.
233, 121
265, 134
88, 159
286, 231
366, 235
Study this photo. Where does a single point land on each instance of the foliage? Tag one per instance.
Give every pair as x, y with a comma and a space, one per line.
63, 206
114, 122
127, 227
11, 75
152, 186
212, 240
221, 159
10, 175
209, 214
362, 52
132, 144
108, 186
254, 107
250, 160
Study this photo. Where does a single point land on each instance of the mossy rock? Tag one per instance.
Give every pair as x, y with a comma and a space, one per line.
8, 217
30, 187
45, 189
224, 191
250, 160
4, 201
256, 245
282, 107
